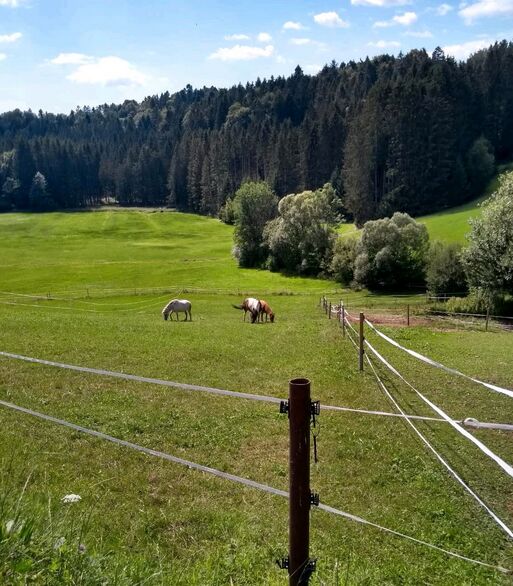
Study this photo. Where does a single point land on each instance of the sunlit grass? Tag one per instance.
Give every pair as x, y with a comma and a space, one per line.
151, 518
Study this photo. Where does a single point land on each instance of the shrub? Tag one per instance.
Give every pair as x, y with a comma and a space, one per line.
344, 256
254, 205
488, 260
391, 253
301, 239
445, 273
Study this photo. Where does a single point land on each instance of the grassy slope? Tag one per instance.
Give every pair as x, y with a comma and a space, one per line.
199, 530
452, 225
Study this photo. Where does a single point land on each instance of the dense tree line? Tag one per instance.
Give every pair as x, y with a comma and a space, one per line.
412, 133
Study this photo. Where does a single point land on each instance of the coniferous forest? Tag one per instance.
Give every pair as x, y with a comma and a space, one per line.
413, 133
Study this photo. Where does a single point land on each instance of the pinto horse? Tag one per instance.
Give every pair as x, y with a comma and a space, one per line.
252, 305
266, 308
177, 306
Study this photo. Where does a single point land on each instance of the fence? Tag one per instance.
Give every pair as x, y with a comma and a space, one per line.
358, 340
357, 337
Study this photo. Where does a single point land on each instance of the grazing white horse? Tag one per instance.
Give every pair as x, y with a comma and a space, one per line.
177, 306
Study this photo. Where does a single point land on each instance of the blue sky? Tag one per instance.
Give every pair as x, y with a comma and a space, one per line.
55, 55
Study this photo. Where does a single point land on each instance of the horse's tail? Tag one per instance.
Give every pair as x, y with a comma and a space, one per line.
238, 306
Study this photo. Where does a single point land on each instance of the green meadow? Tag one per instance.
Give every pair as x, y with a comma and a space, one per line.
453, 224
87, 289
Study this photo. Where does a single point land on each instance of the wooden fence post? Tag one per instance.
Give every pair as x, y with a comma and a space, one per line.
408, 314
329, 311
343, 321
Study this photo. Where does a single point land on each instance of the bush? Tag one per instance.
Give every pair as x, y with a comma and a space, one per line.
488, 260
479, 302
391, 253
445, 273
344, 256
253, 206
227, 212
301, 239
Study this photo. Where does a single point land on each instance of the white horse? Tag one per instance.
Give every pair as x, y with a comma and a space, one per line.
177, 306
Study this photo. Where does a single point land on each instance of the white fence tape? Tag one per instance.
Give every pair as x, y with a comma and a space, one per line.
492, 514
240, 480
497, 459
438, 364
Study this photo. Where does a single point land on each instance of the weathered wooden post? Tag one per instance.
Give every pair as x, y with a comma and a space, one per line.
361, 340
408, 315
343, 321
487, 318
300, 410
329, 311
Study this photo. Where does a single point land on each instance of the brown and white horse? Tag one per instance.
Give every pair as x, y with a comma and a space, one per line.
266, 308
252, 305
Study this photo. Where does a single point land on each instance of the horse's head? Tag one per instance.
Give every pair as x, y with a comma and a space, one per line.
165, 315
271, 317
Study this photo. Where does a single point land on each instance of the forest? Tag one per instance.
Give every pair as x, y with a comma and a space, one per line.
414, 133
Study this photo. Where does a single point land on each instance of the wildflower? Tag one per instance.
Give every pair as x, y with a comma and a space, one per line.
9, 526
59, 543
71, 498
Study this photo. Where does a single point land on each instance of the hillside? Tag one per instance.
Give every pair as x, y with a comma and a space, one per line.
451, 225
416, 132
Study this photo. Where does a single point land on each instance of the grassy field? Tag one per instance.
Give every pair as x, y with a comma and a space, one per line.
452, 225
146, 521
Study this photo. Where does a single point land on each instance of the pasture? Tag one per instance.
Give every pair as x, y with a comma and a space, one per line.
149, 521
452, 224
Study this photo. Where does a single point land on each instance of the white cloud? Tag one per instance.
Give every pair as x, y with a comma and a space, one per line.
12, 38
293, 26
264, 37
241, 53
419, 34
71, 59
444, 9
330, 19
380, 3
485, 8
385, 44
301, 41
405, 19
2, 56
464, 50
10, 3
236, 37
108, 71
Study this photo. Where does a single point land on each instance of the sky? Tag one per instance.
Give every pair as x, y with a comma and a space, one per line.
57, 55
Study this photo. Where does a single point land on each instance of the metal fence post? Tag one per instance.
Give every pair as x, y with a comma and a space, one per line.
408, 314
361, 340
299, 480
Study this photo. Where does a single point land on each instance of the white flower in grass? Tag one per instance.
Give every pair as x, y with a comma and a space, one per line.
59, 543
9, 526
71, 498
